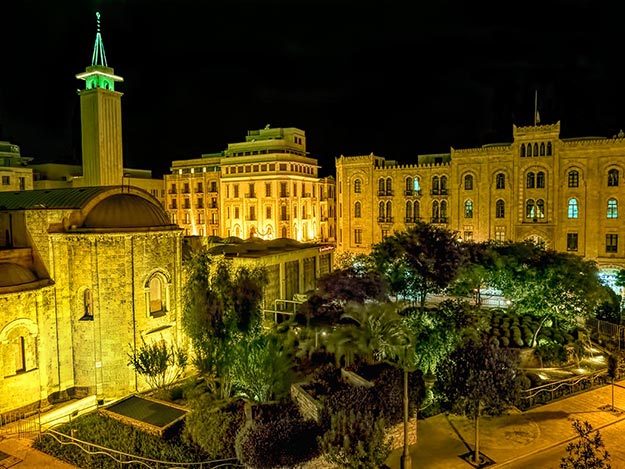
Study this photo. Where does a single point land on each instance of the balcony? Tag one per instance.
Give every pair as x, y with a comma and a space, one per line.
201, 206
386, 193
442, 220
412, 193
250, 195
186, 190
385, 219
213, 205
172, 191
173, 207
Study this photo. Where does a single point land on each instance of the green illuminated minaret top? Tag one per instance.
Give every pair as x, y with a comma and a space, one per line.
99, 74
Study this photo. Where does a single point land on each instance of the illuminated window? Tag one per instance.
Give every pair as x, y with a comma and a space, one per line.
612, 208
19, 344
468, 236
500, 209
573, 211
613, 178
530, 183
500, 181
571, 241
468, 182
573, 178
415, 184
357, 186
500, 234
530, 209
468, 209
156, 295
357, 210
611, 242
540, 180
540, 208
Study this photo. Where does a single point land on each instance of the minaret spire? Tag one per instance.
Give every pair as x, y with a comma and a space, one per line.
98, 57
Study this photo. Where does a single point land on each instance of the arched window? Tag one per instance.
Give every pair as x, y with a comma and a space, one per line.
444, 210
416, 210
540, 208
573, 178
415, 184
409, 212
468, 209
381, 210
529, 149
542, 149
357, 210
381, 189
468, 182
389, 186
548, 148
156, 295
435, 211
522, 150
87, 301
389, 211
573, 210
500, 181
613, 178
612, 208
408, 185
443, 184
535, 149
530, 180
435, 186
500, 209
357, 186
530, 208
540, 180
284, 231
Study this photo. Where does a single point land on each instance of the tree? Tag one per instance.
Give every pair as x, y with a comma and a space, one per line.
160, 364
476, 270
588, 452
549, 285
477, 379
419, 261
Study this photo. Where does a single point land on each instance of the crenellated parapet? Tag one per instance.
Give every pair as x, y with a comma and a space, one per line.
486, 149
534, 130
594, 141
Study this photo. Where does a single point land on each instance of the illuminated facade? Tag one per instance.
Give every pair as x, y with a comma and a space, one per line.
14, 175
266, 187
563, 192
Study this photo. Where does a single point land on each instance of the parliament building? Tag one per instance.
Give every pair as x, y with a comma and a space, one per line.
563, 192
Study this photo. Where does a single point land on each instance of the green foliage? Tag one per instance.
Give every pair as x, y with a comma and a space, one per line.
261, 369
278, 443
158, 363
424, 259
588, 452
110, 433
214, 429
551, 353
478, 378
355, 440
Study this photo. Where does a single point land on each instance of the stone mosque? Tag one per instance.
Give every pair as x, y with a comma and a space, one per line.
86, 273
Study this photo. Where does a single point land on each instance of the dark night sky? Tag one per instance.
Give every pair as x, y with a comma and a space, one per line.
396, 78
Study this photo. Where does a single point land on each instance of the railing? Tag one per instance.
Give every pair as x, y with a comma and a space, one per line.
386, 193
412, 192
607, 333
559, 389
385, 219
122, 458
439, 219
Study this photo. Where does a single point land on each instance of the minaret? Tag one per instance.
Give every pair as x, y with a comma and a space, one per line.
101, 120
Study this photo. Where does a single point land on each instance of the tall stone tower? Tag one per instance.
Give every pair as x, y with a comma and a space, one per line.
101, 120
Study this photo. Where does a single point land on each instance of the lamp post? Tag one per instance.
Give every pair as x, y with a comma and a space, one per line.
404, 460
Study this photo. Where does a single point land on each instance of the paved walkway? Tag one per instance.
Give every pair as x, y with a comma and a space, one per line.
443, 439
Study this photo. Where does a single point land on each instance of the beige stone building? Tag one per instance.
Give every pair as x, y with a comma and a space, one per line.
564, 192
266, 187
14, 173
83, 273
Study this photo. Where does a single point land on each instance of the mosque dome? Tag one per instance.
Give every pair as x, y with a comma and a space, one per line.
15, 274
125, 211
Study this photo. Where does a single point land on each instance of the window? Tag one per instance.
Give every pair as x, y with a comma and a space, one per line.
500, 234
468, 182
200, 202
571, 241
530, 209
381, 186
20, 354
540, 208
283, 191
294, 189
522, 150
268, 211
443, 184
283, 214
200, 218
540, 180
236, 212
87, 301
529, 149
500, 181
381, 211
357, 186
252, 212
155, 293
573, 178
389, 211
408, 212
416, 210
611, 242
500, 209
444, 211
236, 191
200, 187
613, 178
535, 149
389, 186
612, 208
468, 236
358, 236
284, 231
573, 211
530, 181
186, 188
357, 213
542, 149
252, 189
415, 184
548, 148
408, 186
435, 185
468, 209
435, 211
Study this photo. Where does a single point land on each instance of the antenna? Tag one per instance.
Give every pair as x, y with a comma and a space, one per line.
98, 48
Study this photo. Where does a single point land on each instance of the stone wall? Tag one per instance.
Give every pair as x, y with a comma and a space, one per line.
308, 406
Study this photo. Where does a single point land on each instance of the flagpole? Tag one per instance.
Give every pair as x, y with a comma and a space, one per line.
535, 105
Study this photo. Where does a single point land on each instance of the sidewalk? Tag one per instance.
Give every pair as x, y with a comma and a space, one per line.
442, 439
21, 454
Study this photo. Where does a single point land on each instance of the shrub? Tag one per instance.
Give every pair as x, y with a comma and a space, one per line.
278, 443
214, 429
355, 440
505, 342
551, 353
